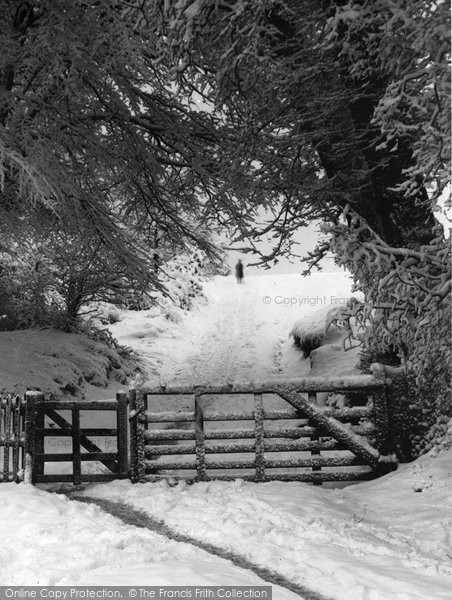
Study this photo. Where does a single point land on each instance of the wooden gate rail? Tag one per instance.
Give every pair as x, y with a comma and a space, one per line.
117, 462
316, 423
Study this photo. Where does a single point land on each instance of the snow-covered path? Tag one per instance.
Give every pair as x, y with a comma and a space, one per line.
223, 343
241, 333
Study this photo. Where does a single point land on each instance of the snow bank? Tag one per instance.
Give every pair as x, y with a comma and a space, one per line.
327, 357
388, 539
60, 363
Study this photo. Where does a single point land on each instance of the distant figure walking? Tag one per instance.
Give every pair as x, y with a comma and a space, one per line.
239, 271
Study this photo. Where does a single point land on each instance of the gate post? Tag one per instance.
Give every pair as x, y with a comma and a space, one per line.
122, 436
137, 453
17, 432
31, 401
39, 424
312, 397
76, 450
199, 438
383, 433
6, 402
259, 435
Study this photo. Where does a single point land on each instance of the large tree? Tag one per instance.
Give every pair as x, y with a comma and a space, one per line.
344, 108
96, 142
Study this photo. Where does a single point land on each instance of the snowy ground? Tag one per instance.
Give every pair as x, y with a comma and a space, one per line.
54, 541
389, 539
385, 540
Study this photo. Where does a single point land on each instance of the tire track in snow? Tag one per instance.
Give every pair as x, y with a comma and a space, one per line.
138, 518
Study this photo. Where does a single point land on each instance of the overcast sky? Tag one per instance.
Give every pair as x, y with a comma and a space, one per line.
306, 238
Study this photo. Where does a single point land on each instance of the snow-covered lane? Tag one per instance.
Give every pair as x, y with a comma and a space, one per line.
135, 517
381, 540
51, 540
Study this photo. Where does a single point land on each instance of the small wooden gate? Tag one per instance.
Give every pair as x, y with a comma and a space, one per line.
43, 413
301, 441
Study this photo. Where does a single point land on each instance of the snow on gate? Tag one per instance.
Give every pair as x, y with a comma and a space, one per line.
281, 425
260, 432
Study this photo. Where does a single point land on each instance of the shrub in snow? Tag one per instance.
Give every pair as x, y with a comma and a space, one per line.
51, 275
106, 313
182, 277
308, 332
113, 315
307, 341
337, 401
350, 319
440, 436
28, 294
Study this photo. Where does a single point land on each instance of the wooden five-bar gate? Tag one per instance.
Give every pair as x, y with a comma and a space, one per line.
296, 439
254, 431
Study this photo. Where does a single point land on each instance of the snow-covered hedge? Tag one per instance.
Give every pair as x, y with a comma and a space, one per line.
407, 311
183, 278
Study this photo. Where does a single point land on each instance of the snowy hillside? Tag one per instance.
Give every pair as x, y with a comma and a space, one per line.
236, 333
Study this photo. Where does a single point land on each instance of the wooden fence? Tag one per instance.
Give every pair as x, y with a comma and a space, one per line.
302, 441
12, 437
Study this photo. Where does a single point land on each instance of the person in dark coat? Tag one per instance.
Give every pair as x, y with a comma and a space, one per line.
239, 271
